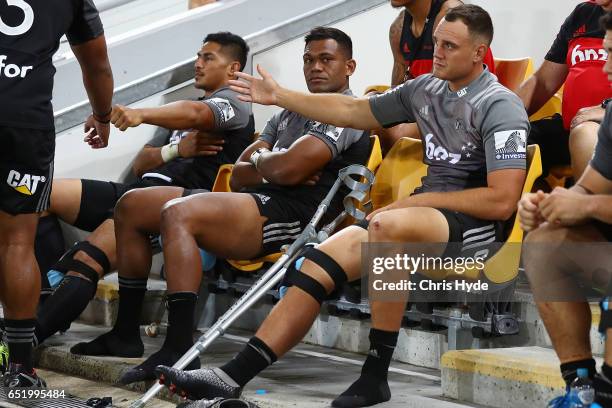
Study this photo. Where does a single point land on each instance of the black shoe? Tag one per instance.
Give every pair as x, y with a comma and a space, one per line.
200, 384
218, 403
19, 377
146, 370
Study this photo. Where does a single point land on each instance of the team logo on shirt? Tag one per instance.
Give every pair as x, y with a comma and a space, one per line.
510, 145
26, 184
224, 108
330, 131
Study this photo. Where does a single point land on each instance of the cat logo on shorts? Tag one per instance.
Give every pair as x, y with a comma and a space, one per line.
25, 184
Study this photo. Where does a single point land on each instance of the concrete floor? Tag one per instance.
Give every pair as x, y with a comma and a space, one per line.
307, 377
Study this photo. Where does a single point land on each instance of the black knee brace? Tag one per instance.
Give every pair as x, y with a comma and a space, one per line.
68, 263
311, 285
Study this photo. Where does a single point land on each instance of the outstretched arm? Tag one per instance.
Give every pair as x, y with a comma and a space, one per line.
334, 109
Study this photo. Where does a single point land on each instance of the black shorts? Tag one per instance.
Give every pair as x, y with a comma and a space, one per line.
98, 199
553, 140
467, 236
26, 169
604, 229
286, 218
471, 237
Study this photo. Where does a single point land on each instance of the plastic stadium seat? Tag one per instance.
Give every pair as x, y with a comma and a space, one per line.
224, 174
252, 265
376, 88
401, 172
512, 72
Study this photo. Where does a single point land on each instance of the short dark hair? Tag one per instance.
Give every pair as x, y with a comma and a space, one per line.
606, 21
477, 20
328, 33
233, 44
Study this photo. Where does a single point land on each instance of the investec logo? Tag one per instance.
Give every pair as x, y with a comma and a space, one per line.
25, 184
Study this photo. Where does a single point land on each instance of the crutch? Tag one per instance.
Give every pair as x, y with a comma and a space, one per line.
276, 272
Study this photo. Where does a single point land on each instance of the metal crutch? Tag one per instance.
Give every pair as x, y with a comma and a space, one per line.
276, 272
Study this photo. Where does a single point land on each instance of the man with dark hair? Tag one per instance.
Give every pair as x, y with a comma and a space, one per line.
576, 216
281, 177
29, 36
211, 131
468, 119
574, 61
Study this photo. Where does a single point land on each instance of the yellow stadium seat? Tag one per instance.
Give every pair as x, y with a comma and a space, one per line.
376, 88
401, 172
512, 72
222, 181
252, 265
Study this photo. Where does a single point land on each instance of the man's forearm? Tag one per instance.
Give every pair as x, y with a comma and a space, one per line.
149, 158
176, 115
600, 208
332, 109
99, 86
491, 205
244, 175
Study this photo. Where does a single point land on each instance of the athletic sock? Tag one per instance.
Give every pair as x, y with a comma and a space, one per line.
252, 360
124, 339
179, 338
181, 313
569, 371
65, 304
603, 386
19, 335
371, 387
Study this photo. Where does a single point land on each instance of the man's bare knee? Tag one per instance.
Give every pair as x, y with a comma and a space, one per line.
128, 205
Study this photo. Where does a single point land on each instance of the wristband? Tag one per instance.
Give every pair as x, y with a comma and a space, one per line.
169, 152
97, 116
254, 159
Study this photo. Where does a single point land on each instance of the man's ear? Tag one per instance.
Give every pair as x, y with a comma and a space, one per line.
480, 53
233, 68
351, 65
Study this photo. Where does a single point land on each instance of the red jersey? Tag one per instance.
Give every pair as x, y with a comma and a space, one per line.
579, 46
418, 52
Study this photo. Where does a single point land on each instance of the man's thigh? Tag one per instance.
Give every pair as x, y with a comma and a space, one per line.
26, 170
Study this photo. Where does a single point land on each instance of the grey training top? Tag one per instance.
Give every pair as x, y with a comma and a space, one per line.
348, 146
602, 159
466, 134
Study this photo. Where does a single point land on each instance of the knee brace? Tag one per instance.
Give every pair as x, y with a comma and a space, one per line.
605, 322
310, 285
68, 263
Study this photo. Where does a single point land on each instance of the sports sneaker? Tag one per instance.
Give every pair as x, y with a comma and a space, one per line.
18, 377
204, 383
218, 403
564, 401
4, 356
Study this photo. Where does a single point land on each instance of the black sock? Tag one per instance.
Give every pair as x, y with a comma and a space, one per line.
569, 370
19, 335
181, 313
131, 297
252, 360
603, 386
65, 304
124, 339
371, 387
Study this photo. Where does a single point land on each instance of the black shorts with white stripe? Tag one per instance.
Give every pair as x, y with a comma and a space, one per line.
26, 169
471, 236
286, 217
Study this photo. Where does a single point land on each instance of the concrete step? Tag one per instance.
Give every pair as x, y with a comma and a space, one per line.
102, 309
535, 332
507, 377
307, 377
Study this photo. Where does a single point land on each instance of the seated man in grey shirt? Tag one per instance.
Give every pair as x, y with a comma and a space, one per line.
474, 132
557, 262
278, 183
